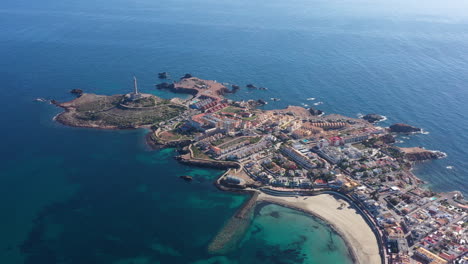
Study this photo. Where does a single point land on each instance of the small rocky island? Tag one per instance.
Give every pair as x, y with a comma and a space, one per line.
131, 110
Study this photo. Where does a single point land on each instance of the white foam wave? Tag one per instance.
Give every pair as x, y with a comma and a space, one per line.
424, 132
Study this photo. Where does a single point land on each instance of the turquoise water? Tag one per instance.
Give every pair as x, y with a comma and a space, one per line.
86, 196
282, 235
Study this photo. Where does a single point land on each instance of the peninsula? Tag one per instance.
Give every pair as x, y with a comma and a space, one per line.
132, 110
344, 170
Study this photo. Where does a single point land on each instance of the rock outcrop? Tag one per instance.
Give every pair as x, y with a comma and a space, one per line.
163, 75
315, 112
387, 139
77, 92
420, 154
165, 85
404, 128
373, 118
425, 155
235, 88
186, 178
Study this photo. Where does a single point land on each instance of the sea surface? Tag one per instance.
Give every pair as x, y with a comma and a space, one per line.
89, 196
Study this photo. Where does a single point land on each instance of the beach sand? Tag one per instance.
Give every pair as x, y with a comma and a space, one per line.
346, 221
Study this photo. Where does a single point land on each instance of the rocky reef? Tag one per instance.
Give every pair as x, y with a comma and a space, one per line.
235, 88
257, 103
165, 85
404, 128
187, 76
163, 75
373, 118
77, 92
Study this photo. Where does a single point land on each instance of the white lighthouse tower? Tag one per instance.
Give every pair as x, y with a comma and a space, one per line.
135, 86
135, 94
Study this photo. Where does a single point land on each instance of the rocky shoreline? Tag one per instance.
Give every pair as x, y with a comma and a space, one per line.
208, 163
420, 154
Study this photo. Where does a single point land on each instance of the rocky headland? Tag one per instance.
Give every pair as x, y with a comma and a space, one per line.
117, 111
404, 128
420, 154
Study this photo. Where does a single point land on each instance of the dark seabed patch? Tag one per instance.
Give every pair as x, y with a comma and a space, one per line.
127, 211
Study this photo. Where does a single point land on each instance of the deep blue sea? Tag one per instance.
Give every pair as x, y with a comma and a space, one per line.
85, 196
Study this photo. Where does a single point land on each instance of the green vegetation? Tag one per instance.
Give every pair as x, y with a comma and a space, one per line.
250, 118
233, 142
254, 140
98, 103
173, 136
394, 152
232, 109
221, 141
198, 154
143, 102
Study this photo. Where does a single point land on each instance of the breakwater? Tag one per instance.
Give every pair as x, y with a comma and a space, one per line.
232, 232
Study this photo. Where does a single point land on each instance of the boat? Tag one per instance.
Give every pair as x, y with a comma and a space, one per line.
40, 100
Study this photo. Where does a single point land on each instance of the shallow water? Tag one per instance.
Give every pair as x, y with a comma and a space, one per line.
282, 235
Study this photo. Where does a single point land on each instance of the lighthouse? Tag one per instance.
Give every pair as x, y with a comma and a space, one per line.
135, 86
135, 94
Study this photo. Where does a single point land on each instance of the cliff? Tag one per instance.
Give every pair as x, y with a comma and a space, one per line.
420, 154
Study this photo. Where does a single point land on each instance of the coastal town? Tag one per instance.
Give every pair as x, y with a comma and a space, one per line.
296, 152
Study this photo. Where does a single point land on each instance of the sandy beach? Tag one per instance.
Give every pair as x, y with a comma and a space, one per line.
346, 221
